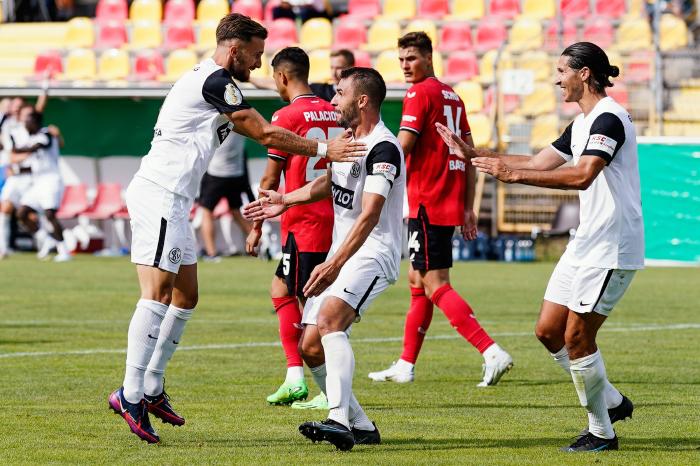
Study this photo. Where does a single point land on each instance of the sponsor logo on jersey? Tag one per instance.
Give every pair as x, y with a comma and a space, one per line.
175, 255
323, 115
409, 118
449, 95
232, 95
386, 169
342, 196
458, 165
223, 131
157, 132
411, 95
355, 170
602, 143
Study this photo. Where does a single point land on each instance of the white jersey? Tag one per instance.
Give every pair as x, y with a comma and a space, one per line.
350, 179
44, 160
229, 159
12, 134
191, 126
611, 230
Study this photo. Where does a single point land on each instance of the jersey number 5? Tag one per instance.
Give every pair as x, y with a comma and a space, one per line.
453, 121
314, 166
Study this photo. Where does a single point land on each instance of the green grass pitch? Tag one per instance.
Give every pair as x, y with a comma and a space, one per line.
63, 335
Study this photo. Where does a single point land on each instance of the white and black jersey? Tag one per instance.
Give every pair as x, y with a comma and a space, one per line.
611, 230
12, 134
44, 159
381, 171
191, 126
229, 159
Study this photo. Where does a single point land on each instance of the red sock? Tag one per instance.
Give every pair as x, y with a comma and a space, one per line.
289, 316
417, 322
461, 317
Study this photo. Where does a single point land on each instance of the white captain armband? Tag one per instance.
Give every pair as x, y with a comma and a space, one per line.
377, 184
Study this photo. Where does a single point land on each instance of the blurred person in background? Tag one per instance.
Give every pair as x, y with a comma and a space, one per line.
303, 9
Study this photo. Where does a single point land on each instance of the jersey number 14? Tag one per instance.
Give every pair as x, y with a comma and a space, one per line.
314, 166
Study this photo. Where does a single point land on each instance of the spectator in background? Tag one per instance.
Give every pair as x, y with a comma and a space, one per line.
303, 9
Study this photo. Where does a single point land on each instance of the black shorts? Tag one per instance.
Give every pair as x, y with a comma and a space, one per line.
214, 188
429, 246
295, 267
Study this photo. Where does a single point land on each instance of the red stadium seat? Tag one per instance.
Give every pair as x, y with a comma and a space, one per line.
48, 64
281, 33
179, 11
461, 66
112, 35
252, 8
112, 10
434, 9
639, 68
366, 9
490, 34
350, 33
504, 8
574, 8
148, 66
551, 37
455, 36
108, 202
610, 8
600, 31
179, 36
619, 93
74, 202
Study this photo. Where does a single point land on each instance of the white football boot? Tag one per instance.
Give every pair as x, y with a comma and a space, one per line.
398, 372
496, 363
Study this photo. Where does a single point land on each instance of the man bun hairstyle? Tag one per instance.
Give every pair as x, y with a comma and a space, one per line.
367, 81
589, 55
419, 40
295, 61
238, 26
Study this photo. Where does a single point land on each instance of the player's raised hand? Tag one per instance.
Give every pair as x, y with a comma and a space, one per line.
321, 278
342, 148
494, 167
268, 205
460, 148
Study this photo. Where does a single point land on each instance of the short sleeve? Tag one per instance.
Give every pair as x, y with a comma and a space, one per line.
563, 144
220, 91
384, 160
279, 119
607, 135
415, 111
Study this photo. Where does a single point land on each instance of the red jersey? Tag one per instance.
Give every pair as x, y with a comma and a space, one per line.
312, 224
436, 178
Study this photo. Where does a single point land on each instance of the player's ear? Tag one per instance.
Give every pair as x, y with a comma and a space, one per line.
363, 101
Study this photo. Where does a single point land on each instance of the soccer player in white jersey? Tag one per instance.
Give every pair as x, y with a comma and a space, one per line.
202, 107
364, 257
600, 262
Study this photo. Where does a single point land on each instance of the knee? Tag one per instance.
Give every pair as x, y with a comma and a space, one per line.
311, 352
189, 300
548, 336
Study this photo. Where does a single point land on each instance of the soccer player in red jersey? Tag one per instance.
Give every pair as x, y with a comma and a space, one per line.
307, 230
440, 197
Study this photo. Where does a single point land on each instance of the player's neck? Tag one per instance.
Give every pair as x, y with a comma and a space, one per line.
366, 126
589, 100
295, 90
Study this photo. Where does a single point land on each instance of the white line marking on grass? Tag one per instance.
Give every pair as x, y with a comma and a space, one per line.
253, 344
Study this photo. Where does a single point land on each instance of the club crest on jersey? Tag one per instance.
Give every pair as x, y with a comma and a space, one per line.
355, 170
232, 95
175, 255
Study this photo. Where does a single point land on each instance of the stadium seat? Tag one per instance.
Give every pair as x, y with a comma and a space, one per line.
610, 8
542, 100
252, 8
281, 33
482, 129
639, 67
113, 65
399, 9
600, 31
526, 34
80, 65
112, 35
487, 62
633, 34
574, 9
539, 62
316, 33
509, 102
382, 35
350, 33
179, 11
148, 65
463, 10
179, 35
145, 35
206, 38
212, 10
438, 67
319, 66
461, 66
674, 32
455, 36
146, 10
112, 10
424, 25
362, 58
48, 64
80, 33
177, 64
539, 9
545, 130
552, 35
620, 93
365, 9
387, 64
433, 9
74, 202
108, 201
472, 95
491, 33
507, 9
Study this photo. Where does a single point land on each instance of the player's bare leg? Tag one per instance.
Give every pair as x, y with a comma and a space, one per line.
208, 230
6, 210
56, 234
242, 223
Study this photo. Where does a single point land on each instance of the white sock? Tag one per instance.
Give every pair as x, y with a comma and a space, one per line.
294, 374
340, 366
491, 352
356, 415
613, 397
588, 374
61, 248
404, 366
319, 375
4, 233
143, 334
170, 332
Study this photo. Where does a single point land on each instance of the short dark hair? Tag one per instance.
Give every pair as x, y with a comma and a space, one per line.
36, 117
295, 60
238, 26
589, 55
367, 81
419, 40
347, 55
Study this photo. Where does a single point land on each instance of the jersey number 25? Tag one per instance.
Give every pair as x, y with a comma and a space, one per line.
314, 167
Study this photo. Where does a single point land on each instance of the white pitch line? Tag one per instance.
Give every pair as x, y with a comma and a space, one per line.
253, 344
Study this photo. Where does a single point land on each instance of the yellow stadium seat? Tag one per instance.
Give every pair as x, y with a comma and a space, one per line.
633, 34
319, 66
539, 9
316, 33
545, 130
482, 129
80, 33
437, 63
471, 94
80, 64
425, 25
212, 10
146, 10
486, 65
145, 35
399, 9
32, 37
178, 63
674, 32
466, 10
538, 62
265, 70
113, 65
206, 38
388, 66
526, 34
542, 100
382, 35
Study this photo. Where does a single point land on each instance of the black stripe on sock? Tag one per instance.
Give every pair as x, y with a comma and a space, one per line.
161, 242
605, 285
366, 295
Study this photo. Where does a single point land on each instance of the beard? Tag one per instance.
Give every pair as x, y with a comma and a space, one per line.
347, 118
238, 71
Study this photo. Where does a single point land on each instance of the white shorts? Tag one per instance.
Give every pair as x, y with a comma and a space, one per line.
360, 281
587, 289
15, 187
45, 193
160, 229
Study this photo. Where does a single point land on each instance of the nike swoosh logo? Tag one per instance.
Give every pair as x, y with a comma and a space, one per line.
349, 292
410, 95
580, 303
175, 342
151, 336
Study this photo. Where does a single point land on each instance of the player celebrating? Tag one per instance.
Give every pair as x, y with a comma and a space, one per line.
202, 107
600, 262
306, 229
364, 257
440, 197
